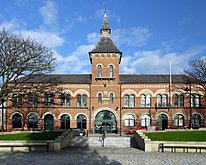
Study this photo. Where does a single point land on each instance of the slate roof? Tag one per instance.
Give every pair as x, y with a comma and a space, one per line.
58, 78
150, 79
86, 79
105, 45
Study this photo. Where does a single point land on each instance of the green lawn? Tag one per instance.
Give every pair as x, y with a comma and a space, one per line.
51, 135
196, 136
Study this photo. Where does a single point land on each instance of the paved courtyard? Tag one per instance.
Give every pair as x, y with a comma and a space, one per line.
113, 156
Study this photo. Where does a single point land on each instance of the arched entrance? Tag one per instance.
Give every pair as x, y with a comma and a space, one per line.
107, 121
48, 122
65, 121
17, 120
33, 121
81, 121
162, 122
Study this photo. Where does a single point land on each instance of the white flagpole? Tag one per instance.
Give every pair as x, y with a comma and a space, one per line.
170, 63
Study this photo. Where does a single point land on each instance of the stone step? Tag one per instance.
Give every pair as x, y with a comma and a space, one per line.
96, 141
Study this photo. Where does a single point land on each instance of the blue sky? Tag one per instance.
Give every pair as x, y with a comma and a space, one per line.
148, 32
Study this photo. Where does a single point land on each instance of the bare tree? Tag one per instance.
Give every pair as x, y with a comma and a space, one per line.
20, 57
197, 72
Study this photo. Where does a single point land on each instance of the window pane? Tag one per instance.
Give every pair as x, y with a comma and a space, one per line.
131, 101
197, 101
181, 101
84, 100
99, 71
126, 101
159, 100
99, 97
68, 100
79, 101
148, 101
176, 100
143, 100
111, 71
164, 100
111, 98
62, 100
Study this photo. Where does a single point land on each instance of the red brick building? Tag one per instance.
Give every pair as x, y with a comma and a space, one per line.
109, 99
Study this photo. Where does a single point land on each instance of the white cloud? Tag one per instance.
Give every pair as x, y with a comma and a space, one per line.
133, 37
49, 13
93, 38
75, 62
156, 62
81, 19
10, 25
49, 39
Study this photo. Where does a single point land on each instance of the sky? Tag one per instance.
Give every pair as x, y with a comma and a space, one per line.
149, 33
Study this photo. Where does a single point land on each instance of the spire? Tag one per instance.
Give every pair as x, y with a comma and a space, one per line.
105, 30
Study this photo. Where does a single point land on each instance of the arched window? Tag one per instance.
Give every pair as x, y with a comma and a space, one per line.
129, 121
145, 120
65, 121
81, 100
126, 100
111, 71
196, 120
82, 121
179, 121
99, 72
164, 100
65, 100
49, 100
99, 97
48, 122
131, 100
17, 101
159, 100
143, 101
17, 121
111, 97
33, 121
178, 100
148, 101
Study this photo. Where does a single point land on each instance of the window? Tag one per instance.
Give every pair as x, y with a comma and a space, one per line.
143, 101
148, 101
129, 121
179, 121
111, 71
65, 122
145, 121
111, 97
81, 100
17, 121
17, 101
82, 121
65, 100
196, 120
33, 101
99, 97
129, 101
178, 100
161, 100
195, 101
49, 100
126, 100
99, 72
33, 121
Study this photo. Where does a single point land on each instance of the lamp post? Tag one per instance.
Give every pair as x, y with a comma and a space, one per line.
189, 89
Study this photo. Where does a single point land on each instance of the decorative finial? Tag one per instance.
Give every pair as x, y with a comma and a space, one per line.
105, 30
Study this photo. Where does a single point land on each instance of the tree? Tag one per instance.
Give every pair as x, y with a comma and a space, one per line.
20, 57
197, 72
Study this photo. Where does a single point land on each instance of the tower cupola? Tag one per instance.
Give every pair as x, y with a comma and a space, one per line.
105, 30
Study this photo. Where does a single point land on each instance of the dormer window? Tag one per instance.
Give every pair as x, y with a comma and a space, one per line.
99, 71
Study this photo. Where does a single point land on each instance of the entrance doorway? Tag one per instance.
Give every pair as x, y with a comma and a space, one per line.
81, 121
48, 122
162, 122
105, 120
65, 122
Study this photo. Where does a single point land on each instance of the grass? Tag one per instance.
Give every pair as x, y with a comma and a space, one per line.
51, 135
195, 136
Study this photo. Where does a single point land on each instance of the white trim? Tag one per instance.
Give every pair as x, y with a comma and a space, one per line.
16, 113
43, 116
145, 92
146, 113
201, 116
109, 94
129, 92
80, 114
161, 92
179, 113
98, 93
64, 113
124, 116
98, 65
112, 65
66, 91
156, 116
105, 109
81, 92
31, 113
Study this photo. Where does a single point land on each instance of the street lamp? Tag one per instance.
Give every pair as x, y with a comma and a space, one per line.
189, 90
